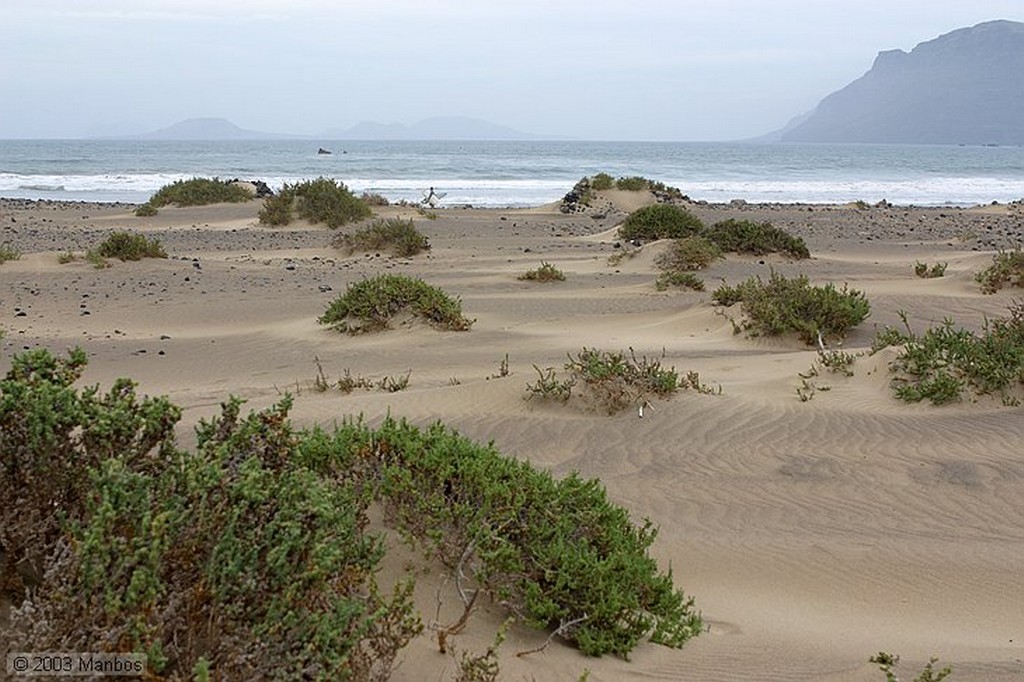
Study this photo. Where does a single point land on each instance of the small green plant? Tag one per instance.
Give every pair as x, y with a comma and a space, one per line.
549, 387
689, 253
886, 662
429, 215
837, 361
924, 271
632, 184
127, 246
146, 210
320, 382
941, 363
545, 273
277, 209
8, 253
394, 384
660, 221
374, 199
861, 205
503, 370
319, 201
682, 280
602, 182
393, 235
623, 254
1007, 269
370, 304
67, 257
197, 192
781, 305
746, 236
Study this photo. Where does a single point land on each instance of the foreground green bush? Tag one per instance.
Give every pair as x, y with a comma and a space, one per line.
198, 192
393, 235
783, 305
556, 553
370, 304
237, 558
128, 246
249, 559
660, 221
746, 236
944, 361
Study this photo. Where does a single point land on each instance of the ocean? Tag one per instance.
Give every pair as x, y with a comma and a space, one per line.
515, 174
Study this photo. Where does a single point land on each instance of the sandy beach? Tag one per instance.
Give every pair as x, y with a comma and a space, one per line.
812, 534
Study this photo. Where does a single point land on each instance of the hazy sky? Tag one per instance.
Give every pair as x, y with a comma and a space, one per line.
595, 69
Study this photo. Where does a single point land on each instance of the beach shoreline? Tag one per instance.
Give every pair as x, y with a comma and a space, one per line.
812, 534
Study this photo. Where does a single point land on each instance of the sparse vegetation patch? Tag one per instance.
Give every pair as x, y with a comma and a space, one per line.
545, 273
370, 304
393, 235
746, 236
319, 201
1007, 269
944, 361
783, 305
196, 192
126, 246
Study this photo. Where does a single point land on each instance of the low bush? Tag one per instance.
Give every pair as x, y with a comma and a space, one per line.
660, 221
556, 553
924, 271
238, 559
128, 246
746, 236
198, 192
944, 361
370, 304
8, 253
602, 182
319, 201
680, 280
783, 305
887, 662
249, 556
146, 210
392, 235
1007, 269
374, 199
689, 253
612, 381
545, 273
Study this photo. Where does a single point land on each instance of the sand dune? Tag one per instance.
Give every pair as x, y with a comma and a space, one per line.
812, 534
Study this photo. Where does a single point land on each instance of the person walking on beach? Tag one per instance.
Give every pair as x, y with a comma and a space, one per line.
431, 198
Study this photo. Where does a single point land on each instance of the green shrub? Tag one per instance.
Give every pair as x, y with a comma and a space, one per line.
277, 209
8, 253
370, 304
610, 381
556, 553
688, 253
783, 305
941, 363
198, 192
660, 221
545, 273
146, 210
129, 246
374, 199
632, 184
602, 182
682, 280
393, 235
319, 201
1007, 269
925, 272
236, 558
330, 202
886, 662
746, 236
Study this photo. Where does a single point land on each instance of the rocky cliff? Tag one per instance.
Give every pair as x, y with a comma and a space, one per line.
964, 87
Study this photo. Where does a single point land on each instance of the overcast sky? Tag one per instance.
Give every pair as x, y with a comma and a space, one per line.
593, 69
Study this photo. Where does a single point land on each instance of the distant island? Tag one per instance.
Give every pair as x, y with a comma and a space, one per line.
964, 87
437, 128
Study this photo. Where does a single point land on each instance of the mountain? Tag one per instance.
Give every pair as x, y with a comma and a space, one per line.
964, 87
437, 128
209, 129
